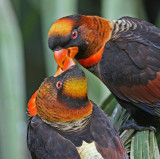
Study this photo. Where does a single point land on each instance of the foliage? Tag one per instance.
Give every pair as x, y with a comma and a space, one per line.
12, 86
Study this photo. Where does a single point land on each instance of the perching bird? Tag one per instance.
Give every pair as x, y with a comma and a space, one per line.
124, 54
65, 124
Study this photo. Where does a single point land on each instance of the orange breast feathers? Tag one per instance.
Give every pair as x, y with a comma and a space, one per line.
32, 109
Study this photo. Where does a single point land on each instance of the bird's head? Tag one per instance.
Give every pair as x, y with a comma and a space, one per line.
79, 36
64, 98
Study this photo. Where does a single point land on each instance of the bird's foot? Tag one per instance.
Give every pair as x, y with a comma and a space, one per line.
130, 124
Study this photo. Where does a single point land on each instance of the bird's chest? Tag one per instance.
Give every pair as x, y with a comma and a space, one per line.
88, 151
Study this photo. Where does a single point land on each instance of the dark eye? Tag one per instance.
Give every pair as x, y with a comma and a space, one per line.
59, 84
74, 34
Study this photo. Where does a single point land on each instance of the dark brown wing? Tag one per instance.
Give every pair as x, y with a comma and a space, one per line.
105, 136
130, 65
45, 143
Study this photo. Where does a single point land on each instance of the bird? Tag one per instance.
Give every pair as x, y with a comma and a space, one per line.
124, 54
65, 124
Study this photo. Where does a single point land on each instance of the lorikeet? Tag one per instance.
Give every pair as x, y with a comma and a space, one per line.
124, 54
65, 124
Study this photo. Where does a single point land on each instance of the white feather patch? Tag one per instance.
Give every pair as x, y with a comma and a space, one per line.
89, 151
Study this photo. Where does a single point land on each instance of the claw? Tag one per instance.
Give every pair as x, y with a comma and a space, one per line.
133, 125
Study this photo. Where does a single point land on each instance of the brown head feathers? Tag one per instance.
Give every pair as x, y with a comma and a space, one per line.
64, 98
92, 32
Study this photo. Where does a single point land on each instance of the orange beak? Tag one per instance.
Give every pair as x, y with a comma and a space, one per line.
58, 72
64, 59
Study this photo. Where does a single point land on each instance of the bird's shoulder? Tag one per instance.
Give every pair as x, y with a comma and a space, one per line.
135, 29
45, 142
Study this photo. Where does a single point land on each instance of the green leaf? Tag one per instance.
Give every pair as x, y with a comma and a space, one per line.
154, 151
12, 86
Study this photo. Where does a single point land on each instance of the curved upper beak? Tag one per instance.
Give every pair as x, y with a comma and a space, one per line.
64, 59
58, 72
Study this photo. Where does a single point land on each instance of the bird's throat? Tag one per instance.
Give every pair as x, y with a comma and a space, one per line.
93, 59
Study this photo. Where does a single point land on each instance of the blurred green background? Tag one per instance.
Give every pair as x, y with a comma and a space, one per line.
25, 59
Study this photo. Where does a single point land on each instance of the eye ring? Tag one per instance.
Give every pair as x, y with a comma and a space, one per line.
74, 34
59, 84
